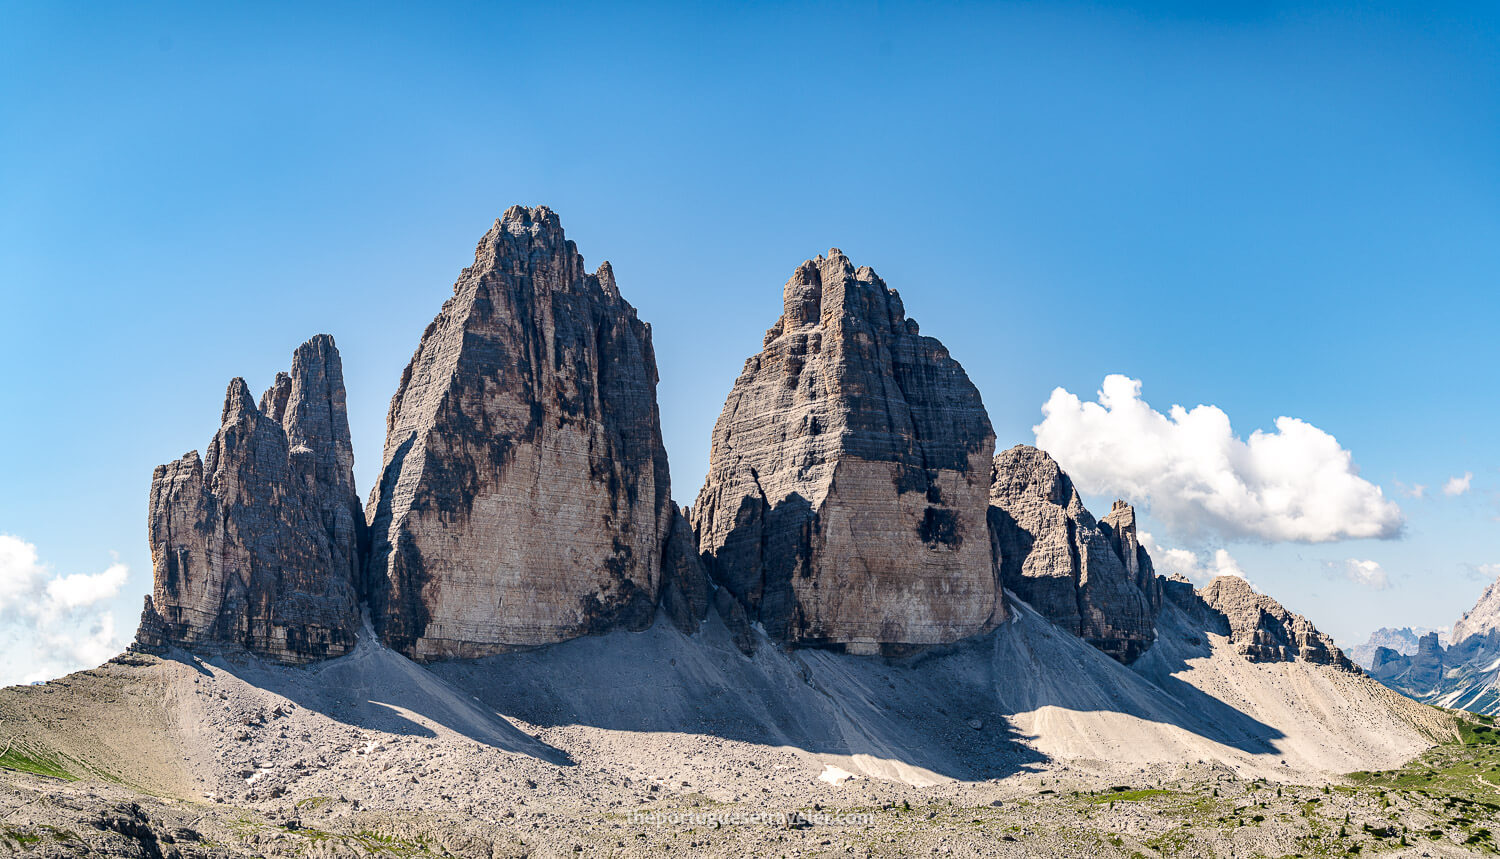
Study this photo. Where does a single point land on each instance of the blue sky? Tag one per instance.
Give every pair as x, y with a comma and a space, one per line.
1275, 209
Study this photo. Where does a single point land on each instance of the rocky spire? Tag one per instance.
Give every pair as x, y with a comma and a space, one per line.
846, 494
314, 413
239, 550
1057, 558
524, 497
1119, 527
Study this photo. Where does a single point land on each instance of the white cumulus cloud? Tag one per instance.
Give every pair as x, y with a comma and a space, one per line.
1199, 479
51, 624
1198, 568
1367, 574
1458, 485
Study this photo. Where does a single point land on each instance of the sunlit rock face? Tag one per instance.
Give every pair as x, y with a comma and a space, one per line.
1090, 578
257, 543
524, 497
848, 476
1264, 631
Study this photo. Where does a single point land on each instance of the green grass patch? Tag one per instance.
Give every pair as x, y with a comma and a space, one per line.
1472, 733
22, 759
1128, 795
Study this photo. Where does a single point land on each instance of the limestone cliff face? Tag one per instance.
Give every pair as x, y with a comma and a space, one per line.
686, 592
1119, 527
524, 496
242, 552
311, 406
1093, 580
1483, 620
846, 494
1264, 631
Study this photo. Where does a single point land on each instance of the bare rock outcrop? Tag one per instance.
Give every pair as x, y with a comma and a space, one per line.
686, 592
1481, 621
1264, 631
252, 545
1119, 527
524, 497
1087, 577
846, 494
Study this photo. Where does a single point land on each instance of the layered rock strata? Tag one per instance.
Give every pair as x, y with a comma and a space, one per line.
1262, 630
686, 592
524, 497
846, 494
1090, 578
254, 544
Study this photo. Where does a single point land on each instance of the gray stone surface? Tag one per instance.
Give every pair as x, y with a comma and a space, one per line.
1264, 631
524, 497
686, 592
315, 416
1403, 641
1483, 620
846, 494
242, 552
1119, 526
1059, 559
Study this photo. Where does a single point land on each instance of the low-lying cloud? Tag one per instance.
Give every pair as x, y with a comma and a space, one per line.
1201, 570
1200, 480
51, 624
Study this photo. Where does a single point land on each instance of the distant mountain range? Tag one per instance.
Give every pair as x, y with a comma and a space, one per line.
1460, 671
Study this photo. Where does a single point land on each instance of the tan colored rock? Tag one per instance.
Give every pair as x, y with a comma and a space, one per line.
524, 497
846, 494
1264, 631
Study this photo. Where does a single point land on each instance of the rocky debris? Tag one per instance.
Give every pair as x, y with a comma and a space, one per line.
1087, 578
524, 497
845, 500
686, 592
242, 553
1263, 631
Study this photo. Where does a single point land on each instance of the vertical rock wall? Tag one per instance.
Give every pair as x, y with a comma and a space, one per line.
846, 495
242, 551
1057, 558
524, 497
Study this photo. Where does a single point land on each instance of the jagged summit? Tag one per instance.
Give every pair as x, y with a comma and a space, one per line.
1092, 579
1482, 620
1264, 631
242, 551
524, 497
1464, 674
845, 500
